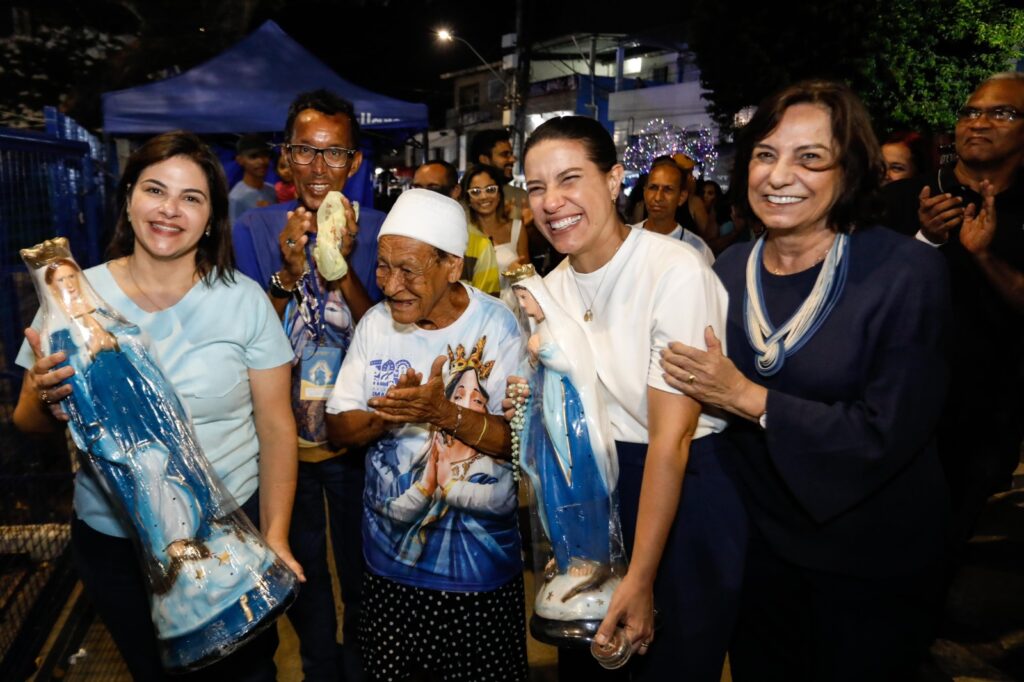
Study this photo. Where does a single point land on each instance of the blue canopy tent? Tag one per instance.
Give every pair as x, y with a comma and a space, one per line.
247, 89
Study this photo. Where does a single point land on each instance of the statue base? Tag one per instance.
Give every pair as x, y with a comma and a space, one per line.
570, 634
245, 618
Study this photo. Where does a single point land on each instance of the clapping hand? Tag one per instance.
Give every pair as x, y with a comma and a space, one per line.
411, 402
979, 226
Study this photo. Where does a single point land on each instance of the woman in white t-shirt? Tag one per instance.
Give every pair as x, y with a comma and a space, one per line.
633, 292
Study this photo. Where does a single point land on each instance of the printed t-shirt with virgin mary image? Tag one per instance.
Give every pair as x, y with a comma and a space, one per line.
463, 536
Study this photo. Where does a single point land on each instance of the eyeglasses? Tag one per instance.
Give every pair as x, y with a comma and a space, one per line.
304, 154
488, 190
995, 114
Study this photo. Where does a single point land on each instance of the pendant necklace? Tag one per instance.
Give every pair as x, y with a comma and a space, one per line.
588, 315
131, 274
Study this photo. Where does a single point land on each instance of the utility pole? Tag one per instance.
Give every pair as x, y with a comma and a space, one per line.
520, 84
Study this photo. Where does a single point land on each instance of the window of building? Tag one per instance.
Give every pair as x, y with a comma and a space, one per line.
469, 97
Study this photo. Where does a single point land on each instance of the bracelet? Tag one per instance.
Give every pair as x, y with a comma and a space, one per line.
419, 486
278, 290
481, 436
458, 420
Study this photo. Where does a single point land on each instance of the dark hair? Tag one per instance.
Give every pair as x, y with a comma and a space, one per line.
52, 268
857, 152
484, 142
453, 382
451, 175
496, 175
327, 103
596, 140
921, 150
214, 253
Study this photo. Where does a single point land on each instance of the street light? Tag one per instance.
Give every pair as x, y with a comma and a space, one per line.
446, 36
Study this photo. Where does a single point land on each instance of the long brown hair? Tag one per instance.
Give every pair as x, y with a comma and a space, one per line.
215, 256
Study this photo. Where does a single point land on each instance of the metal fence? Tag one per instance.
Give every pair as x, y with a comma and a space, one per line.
51, 184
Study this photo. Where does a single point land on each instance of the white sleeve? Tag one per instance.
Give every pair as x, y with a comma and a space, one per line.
686, 301
921, 238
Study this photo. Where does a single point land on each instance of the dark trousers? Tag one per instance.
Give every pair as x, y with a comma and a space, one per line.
696, 592
338, 482
110, 574
803, 625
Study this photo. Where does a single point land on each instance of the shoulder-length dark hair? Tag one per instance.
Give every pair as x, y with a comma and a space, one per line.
857, 152
215, 256
499, 180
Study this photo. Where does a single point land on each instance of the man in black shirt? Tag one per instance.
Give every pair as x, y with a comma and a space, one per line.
974, 213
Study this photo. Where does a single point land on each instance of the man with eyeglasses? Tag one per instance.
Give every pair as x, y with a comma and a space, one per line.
480, 266
974, 213
274, 246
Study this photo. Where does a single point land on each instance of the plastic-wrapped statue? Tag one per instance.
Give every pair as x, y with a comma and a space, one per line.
214, 581
568, 453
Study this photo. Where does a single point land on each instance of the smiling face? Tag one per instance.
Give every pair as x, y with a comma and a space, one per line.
899, 162
793, 177
484, 194
314, 180
571, 198
986, 143
414, 278
169, 208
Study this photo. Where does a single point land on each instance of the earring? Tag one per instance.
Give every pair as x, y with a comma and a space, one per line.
209, 229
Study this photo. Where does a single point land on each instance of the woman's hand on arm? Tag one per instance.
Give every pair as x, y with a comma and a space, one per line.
38, 409
672, 421
710, 377
279, 459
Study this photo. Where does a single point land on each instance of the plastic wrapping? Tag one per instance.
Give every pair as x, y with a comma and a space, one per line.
213, 580
567, 451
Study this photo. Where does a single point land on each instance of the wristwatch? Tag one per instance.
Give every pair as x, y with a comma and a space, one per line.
763, 420
277, 290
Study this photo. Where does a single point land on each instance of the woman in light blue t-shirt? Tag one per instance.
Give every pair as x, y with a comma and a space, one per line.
222, 347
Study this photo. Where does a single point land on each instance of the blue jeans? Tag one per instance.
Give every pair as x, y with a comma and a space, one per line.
339, 482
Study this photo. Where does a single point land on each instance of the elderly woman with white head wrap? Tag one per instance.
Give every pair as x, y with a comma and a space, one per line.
422, 386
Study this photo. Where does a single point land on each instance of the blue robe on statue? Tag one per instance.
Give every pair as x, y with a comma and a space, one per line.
128, 417
557, 456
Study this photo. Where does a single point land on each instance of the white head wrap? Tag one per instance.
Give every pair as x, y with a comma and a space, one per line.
430, 218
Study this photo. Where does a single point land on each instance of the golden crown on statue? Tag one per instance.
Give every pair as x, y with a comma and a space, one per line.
458, 362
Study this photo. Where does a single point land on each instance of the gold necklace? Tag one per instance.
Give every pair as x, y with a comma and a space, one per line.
131, 274
588, 315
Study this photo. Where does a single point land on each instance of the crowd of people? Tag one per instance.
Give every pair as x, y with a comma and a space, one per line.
813, 383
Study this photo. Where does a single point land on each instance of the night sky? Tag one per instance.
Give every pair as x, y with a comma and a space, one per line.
390, 47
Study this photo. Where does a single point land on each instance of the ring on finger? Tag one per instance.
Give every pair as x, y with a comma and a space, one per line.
690, 379
45, 398
290, 243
